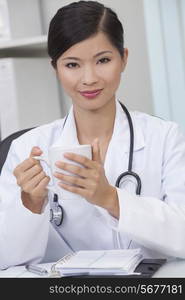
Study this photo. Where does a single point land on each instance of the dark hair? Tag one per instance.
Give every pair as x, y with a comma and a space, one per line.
78, 21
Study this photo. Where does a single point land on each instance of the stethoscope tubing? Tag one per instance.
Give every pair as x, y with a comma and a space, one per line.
131, 152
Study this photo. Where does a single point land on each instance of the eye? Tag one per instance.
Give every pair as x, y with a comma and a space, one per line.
71, 65
104, 60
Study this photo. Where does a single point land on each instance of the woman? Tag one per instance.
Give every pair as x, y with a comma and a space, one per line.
89, 64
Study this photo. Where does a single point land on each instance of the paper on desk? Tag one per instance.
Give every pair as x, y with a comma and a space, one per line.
21, 272
12, 272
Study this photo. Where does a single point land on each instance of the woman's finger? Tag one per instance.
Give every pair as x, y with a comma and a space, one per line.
96, 151
74, 189
42, 184
30, 173
76, 180
81, 169
34, 182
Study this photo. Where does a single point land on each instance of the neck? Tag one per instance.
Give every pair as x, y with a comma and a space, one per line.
95, 124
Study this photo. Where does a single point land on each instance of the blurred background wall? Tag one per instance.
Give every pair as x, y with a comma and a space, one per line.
153, 82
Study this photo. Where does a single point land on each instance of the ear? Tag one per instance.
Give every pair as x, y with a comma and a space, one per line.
125, 58
53, 64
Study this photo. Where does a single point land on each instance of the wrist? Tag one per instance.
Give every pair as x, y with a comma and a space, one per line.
112, 202
34, 205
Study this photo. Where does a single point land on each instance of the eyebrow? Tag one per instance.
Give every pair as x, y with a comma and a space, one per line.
96, 55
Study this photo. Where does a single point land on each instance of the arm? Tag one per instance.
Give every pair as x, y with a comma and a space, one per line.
23, 234
159, 223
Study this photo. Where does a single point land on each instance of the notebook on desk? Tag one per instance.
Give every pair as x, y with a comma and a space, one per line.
99, 262
106, 263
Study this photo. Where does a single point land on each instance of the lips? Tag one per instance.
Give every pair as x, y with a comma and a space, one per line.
91, 94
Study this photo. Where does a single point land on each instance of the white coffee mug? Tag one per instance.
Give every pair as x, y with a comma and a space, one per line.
56, 153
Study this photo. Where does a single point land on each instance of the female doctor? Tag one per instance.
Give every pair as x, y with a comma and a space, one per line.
85, 43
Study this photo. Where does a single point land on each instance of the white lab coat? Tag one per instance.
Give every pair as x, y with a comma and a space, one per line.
154, 221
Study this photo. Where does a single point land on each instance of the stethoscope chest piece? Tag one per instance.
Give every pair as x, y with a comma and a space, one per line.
56, 213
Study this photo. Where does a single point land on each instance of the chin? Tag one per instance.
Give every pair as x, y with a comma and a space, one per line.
92, 105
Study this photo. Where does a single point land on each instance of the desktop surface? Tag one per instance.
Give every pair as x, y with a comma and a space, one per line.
170, 269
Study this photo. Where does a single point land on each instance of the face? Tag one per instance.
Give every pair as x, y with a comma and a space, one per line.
90, 72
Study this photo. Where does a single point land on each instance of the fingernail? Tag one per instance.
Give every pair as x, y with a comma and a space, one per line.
95, 140
67, 154
37, 148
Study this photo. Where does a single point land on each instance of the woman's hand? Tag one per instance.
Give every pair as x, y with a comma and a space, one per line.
33, 182
91, 182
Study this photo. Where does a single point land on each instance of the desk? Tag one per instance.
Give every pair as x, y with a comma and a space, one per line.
170, 269
175, 268
21, 272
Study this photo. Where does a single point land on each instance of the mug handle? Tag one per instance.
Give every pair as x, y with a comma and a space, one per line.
44, 159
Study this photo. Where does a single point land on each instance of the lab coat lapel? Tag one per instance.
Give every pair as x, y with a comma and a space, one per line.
68, 136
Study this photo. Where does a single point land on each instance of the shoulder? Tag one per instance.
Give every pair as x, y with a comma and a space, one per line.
154, 125
47, 129
41, 136
159, 134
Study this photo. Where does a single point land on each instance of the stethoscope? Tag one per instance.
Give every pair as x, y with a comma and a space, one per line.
57, 214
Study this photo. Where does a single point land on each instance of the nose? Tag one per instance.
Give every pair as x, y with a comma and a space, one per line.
89, 76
